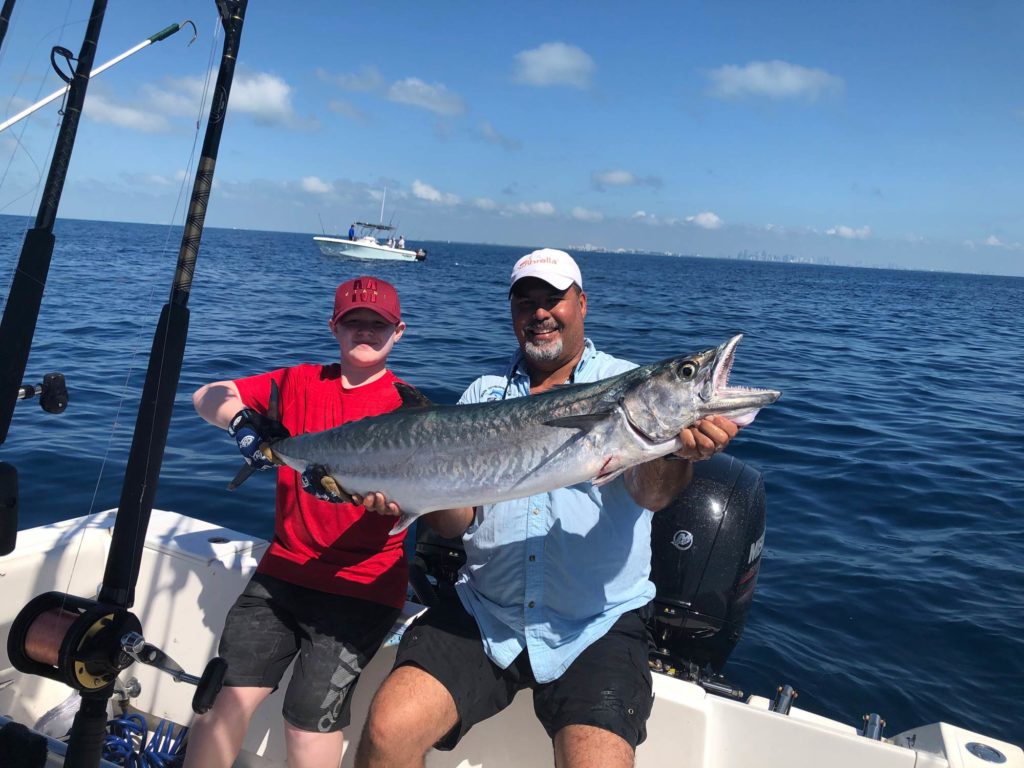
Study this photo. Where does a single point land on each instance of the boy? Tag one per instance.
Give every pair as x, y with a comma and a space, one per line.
332, 582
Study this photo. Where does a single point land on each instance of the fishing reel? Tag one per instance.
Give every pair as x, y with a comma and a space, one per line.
84, 644
52, 391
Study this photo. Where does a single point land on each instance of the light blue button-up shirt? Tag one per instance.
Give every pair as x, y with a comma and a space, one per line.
551, 573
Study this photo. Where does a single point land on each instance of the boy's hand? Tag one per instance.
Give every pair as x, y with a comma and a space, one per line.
251, 431
316, 479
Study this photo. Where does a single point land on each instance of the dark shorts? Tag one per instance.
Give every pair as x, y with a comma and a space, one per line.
608, 686
334, 637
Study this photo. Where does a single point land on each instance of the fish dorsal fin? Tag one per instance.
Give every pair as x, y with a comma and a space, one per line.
412, 397
583, 422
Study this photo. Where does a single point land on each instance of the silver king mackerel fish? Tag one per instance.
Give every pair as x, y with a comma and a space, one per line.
428, 457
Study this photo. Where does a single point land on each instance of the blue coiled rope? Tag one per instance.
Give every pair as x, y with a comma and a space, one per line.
127, 743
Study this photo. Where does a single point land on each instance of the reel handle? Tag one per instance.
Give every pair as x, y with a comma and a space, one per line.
209, 685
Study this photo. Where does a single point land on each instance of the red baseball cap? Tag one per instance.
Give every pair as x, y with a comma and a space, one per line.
370, 293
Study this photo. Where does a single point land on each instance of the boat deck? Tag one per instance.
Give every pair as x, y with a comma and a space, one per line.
192, 571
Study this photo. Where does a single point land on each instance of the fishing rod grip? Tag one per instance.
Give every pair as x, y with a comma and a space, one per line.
8, 508
20, 317
88, 732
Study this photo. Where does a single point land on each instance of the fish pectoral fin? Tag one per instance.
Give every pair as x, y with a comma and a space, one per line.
548, 460
404, 522
411, 397
583, 422
604, 479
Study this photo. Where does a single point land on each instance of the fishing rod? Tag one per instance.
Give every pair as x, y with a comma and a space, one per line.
5, 18
163, 34
22, 310
85, 643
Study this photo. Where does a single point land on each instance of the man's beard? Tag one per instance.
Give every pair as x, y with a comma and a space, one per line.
543, 353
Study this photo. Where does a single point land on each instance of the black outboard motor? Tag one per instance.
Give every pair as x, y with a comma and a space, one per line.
706, 554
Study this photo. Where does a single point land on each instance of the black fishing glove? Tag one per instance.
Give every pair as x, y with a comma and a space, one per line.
312, 482
251, 430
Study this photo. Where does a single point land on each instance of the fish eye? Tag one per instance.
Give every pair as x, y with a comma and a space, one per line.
687, 369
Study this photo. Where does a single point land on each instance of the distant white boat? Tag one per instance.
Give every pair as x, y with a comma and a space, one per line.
367, 244
364, 241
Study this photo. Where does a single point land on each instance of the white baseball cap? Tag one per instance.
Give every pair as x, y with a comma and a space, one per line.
554, 267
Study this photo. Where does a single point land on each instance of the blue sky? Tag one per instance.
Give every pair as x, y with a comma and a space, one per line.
887, 134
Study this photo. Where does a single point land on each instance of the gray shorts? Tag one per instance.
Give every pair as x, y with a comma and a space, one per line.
331, 638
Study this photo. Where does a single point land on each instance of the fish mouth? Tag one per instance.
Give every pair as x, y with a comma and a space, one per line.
738, 404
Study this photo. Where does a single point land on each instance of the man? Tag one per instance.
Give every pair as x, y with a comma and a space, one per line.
553, 585
333, 580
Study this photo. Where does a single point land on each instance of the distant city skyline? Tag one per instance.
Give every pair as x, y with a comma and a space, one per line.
874, 134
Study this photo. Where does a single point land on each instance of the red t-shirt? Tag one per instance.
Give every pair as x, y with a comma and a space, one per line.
336, 548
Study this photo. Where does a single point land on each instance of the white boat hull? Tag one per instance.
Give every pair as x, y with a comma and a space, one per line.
192, 571
339, 246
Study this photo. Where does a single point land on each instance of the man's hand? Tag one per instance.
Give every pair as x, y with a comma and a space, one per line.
378, 502
251, 431
707, 437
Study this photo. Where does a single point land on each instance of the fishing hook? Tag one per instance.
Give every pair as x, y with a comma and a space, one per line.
195, 32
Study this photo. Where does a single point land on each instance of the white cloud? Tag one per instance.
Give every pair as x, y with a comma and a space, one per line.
491, 134
615, 178
315, 185
485, 203
774, 80
368, 78
436, 98
994, 242
650, 218
178, 97
426, 192
583, 214
100, 109
148, 180
849, 233
342, 107
267, 98
620, 178
706, 220
535, 209
554, 64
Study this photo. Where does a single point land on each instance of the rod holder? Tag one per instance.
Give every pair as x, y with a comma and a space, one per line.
873, 727
783, 700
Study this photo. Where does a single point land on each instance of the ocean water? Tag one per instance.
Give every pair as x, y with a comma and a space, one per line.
894, 463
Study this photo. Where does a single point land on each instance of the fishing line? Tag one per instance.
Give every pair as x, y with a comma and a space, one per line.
55, 32
186, 182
